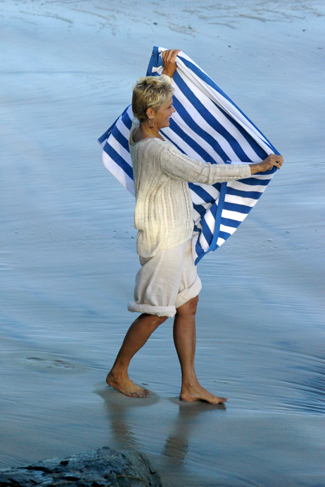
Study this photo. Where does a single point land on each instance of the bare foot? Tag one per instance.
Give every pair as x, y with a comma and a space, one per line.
198, 393
126, 386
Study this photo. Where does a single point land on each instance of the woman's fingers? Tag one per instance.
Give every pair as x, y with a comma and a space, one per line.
170, 53
274, 160
169, 61
277, 158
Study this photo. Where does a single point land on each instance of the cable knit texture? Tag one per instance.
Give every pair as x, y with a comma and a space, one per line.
163, 209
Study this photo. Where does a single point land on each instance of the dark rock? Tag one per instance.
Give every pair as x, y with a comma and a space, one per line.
100, 468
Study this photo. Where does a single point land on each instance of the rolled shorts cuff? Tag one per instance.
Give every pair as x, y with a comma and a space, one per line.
149, 309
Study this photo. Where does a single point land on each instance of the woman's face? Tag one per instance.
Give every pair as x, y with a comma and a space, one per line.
162, 115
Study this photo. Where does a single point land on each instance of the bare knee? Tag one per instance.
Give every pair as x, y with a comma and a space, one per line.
154, 320
188, 308
192, 305
160, 319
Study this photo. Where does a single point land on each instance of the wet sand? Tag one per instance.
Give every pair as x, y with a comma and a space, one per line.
68, 260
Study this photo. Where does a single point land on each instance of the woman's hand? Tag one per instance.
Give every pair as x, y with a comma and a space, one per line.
267, 164
169, 58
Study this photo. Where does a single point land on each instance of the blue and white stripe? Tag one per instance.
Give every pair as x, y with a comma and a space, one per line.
207, 126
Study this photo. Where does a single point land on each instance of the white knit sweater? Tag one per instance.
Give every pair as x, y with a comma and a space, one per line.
163, 209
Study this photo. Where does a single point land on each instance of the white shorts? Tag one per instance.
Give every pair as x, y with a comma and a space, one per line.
166, 281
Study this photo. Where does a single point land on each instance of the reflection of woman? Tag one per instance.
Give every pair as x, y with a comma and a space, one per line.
167, 285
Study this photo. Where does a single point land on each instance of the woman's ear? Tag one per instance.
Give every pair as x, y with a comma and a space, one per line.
149, 112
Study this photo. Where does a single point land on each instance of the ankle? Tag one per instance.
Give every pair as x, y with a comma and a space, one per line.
118, 374
190, 382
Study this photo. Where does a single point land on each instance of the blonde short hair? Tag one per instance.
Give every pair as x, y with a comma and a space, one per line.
150, 92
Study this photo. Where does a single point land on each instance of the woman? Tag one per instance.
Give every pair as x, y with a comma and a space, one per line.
167, 285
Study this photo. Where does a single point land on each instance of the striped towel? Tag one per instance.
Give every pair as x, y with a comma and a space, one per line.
209, 127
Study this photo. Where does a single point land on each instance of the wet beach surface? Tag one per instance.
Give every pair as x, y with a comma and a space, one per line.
68, 260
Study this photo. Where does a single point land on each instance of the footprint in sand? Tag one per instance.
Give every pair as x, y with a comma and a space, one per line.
47, 363
50, 364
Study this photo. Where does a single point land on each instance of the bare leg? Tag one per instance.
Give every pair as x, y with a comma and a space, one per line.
136, 337
185, 341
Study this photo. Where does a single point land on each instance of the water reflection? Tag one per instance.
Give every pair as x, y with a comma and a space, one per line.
176, 443
118, 408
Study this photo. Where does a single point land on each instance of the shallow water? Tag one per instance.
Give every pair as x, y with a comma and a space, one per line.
68, 261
